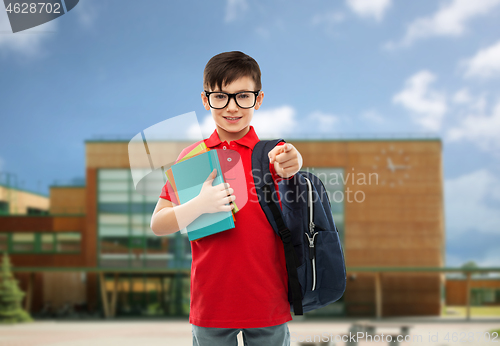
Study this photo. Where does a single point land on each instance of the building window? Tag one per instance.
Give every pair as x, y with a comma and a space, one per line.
47, 242
489, 295
23, 242
115, 251
36, 211
157, 252
42, 243
68, 242
4, 207
483, 296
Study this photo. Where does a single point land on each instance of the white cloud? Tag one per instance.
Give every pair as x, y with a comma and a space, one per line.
464, 98
234, 9
275, 122
481, 129
466, 203
369, 8
27, 42
427, 106
206, 127
450, 20
485, 64
324, 121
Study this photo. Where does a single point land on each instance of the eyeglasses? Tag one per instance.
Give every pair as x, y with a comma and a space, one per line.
220, 100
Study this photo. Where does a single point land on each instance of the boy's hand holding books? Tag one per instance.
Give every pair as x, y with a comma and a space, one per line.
213, 199
189, 182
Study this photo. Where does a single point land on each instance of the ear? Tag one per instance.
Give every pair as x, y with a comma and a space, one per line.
204, 100
260, 98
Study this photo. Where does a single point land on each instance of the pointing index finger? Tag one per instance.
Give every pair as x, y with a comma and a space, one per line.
272, 154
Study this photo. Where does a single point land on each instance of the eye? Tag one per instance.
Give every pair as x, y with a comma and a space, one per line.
243, 96
220, 96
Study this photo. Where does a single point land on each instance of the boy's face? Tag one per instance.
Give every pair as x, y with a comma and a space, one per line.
232, 130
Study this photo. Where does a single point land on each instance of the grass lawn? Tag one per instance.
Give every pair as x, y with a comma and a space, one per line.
475, 311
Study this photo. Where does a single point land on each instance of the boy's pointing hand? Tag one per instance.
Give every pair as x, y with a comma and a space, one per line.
286, 159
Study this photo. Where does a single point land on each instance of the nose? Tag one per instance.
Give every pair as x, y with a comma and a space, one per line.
232, 106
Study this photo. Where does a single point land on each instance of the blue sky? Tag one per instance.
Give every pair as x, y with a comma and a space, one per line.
112, 68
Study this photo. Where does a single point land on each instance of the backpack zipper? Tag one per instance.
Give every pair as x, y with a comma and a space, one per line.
312, 252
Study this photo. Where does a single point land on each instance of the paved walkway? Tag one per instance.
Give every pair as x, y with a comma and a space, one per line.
431, 331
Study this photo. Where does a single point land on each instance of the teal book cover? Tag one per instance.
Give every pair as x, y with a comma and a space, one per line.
189, 176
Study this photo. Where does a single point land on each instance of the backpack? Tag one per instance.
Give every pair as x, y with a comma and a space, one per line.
314, 257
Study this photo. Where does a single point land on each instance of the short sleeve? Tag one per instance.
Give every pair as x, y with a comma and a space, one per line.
275, 175
167, 192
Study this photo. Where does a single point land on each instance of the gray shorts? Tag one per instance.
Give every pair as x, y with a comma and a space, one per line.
269, 336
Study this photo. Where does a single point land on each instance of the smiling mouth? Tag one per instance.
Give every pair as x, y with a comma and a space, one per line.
232, 118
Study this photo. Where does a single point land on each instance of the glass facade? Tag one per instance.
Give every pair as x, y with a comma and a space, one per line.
125, 240
124, 216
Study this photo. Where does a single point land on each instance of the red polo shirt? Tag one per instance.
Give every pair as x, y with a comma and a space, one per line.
238, 277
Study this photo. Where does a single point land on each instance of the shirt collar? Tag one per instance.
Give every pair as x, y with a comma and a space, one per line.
249, 140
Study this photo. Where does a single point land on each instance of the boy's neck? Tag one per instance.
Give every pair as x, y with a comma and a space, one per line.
231, 136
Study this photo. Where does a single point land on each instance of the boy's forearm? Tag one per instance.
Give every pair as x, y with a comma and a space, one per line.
171, 220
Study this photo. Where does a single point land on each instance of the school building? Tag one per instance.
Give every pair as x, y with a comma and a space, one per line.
95, 245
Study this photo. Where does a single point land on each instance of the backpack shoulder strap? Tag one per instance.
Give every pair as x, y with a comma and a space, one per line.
262, 176
267, 195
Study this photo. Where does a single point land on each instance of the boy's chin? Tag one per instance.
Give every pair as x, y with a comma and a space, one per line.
233, 129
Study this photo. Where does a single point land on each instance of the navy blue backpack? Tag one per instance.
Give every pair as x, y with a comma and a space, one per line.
314, 256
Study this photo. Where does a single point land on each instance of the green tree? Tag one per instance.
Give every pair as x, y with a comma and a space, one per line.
11, 296
473, 265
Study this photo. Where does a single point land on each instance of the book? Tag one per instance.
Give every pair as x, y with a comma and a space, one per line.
188, 178
197, 150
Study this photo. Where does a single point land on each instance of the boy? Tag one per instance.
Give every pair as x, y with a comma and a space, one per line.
238, 277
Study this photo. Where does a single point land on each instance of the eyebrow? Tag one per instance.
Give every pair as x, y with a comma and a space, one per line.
221, 91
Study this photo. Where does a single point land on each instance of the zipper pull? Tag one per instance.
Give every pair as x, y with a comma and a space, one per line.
311, 247
311, 227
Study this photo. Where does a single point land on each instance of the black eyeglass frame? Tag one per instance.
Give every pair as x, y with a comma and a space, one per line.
229, 96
